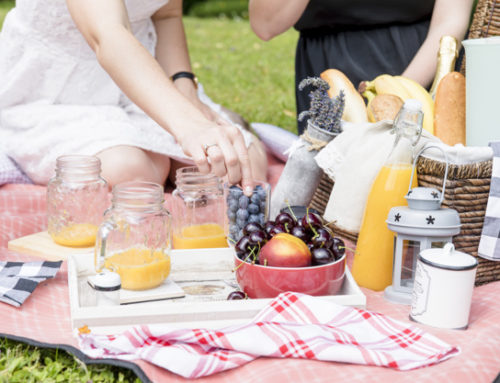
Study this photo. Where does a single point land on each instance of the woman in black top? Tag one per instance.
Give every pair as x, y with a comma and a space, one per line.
362, 38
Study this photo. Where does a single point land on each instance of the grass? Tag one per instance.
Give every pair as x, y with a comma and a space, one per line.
239, 71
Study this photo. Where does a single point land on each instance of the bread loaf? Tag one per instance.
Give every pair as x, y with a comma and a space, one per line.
384, 107
449, 109
355, 108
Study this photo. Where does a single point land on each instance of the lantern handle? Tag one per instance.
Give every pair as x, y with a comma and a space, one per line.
445, 170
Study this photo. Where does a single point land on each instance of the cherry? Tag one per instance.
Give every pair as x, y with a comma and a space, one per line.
251, 227
285, 219
278, 228
322, 256
322, 238
242, 247
268, 227
312, 220
258, 237
300, 232
338, 247
310, 246
234, 295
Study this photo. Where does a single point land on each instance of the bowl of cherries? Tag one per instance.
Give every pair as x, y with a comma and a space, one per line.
289, 254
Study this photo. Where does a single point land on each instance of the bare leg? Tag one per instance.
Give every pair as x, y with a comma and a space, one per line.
128, 163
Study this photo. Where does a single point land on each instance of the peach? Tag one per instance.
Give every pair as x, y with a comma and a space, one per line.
285, 250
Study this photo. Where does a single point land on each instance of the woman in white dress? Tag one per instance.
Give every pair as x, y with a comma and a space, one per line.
94, 77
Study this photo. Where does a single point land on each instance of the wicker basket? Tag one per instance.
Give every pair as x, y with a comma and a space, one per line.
467, 190
485, 22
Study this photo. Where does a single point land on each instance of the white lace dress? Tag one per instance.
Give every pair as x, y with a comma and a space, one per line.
55, 99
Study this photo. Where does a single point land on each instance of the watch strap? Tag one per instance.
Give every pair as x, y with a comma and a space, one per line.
185, 74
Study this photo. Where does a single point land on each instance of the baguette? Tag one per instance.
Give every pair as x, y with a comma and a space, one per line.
449, 109
355, 108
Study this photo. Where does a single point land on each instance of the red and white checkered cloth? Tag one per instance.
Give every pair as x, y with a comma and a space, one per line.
291, 326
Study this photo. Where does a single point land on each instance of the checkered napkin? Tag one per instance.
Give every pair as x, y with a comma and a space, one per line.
19, 279
291, 326
489, 244
10, 172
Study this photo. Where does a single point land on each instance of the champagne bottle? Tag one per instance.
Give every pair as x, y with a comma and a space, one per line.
447, 55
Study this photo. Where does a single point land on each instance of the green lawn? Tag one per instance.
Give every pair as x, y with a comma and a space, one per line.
239, 71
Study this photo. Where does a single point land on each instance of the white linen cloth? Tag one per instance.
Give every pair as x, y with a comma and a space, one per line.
56, 99
354, 158
291, 326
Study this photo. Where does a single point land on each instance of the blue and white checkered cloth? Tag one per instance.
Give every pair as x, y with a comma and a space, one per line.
10, 173
489, 244
19, 279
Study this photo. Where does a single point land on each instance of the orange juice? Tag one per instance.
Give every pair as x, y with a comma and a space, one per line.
372, 266
76, 235
200, 236
140, 269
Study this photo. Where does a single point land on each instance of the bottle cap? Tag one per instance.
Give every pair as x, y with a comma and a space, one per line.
412, 104
105, 281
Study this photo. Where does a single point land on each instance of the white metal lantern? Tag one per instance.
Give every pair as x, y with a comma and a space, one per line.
421, 225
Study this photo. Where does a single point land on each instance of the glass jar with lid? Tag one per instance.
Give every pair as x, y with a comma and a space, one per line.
199, 211
77, 197
134, 239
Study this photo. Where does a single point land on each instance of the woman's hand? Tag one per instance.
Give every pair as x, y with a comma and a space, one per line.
219, 148
187, 88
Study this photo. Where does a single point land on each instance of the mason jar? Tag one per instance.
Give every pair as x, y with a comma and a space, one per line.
134, 240
77, 197
198, 208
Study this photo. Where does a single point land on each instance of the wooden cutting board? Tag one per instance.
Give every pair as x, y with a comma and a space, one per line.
41, 245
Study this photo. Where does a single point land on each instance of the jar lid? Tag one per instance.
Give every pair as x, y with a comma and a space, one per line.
432, 223
422, 198
448, 258
105, 281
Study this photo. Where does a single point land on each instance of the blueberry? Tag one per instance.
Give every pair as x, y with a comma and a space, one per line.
242, 214
254, 218
263, 206
241, 223
255, 198
258, 188
262, 218
235, 191
253, 208
243, 202
231, 215
233, 205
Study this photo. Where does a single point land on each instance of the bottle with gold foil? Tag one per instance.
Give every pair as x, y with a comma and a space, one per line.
447, 55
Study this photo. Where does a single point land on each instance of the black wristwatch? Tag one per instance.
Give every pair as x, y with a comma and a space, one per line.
188, 75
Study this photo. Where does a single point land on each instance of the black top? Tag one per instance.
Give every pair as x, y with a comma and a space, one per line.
361, 38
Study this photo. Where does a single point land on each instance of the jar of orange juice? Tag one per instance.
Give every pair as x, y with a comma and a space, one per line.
134, 238
77, 197
198, 208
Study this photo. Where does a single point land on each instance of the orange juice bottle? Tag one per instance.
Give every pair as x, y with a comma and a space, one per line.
373, 260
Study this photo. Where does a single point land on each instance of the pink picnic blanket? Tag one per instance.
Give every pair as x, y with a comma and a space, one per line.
45, 317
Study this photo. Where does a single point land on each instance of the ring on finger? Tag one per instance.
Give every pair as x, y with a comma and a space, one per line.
206, 146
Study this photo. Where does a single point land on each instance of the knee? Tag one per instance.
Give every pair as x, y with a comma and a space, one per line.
133, 164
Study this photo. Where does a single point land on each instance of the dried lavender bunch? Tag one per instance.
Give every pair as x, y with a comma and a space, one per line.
324, 112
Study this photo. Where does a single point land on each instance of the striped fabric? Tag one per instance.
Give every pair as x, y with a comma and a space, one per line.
489, 244
291, 326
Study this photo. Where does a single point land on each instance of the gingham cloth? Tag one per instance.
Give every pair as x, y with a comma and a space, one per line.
489, 245
19, 279
10, 172
290, 326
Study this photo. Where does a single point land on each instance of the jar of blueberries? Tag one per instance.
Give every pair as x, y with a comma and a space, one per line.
243, 209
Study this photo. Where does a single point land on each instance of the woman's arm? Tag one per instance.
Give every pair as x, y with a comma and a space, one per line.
450, 17
172, 51
269, 18
105, 26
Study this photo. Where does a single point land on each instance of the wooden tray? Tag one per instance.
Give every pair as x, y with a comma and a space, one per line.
206, 277
41, 245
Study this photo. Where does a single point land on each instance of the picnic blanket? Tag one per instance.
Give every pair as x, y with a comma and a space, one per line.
22, 212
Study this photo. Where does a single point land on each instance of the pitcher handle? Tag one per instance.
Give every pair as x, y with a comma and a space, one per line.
100, 248
445, 170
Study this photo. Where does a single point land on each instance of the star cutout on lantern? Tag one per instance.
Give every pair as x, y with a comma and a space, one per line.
435, 195
409, 192
430, 220
397, 217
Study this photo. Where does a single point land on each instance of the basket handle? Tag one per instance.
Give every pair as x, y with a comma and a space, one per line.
445, 170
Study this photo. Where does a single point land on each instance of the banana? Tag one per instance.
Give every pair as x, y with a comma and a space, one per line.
418, 92
369, 95
405, 89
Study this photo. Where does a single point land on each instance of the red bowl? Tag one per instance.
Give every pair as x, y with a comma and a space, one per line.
259, 281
